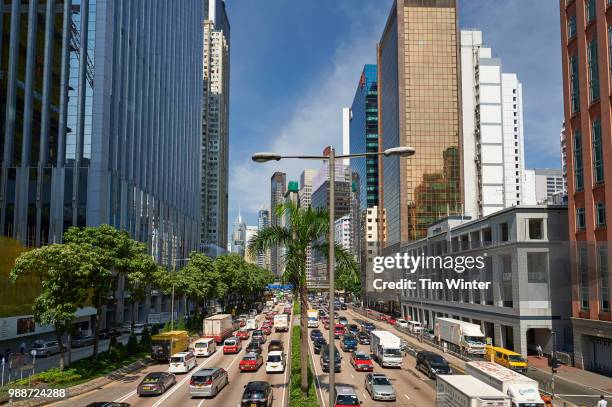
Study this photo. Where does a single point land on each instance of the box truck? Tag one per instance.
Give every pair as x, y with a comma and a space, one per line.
467, 391
522, 390
219, 327
460, 336
281, 323
313, 318
386, 348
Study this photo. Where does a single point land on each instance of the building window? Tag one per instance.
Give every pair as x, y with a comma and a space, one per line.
604, 279
593, 70
578, 170
583, 273
598, 170
574, 84
600, 214
503, 232
590, 10
580, 219
536, 228
571, 27
537, 267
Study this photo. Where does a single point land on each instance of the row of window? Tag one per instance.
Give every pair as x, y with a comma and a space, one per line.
600, 216
602, 278
597, 156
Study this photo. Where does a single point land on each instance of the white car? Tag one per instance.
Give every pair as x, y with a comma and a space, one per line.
182, 362
402, 323
275, 362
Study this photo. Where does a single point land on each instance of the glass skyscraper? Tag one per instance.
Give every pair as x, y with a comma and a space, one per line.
101, 118
364, 135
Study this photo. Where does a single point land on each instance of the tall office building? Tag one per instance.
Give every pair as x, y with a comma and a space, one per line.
100, 123
304, 197
238, 241
364, 135
418, 90
263, 221
492, 143
278, 186
586, 39
215, 126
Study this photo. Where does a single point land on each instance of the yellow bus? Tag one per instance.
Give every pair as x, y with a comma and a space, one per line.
166, 344
506, 358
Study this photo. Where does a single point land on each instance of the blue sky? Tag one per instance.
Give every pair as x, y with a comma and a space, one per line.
295, 64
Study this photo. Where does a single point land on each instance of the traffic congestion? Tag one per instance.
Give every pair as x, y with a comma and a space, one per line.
237, 361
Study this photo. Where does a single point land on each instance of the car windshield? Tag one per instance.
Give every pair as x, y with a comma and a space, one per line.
274, 358
253, 394
249, 358
347, 400
362, 357
230, 343
516, 358
392, 352
176, 359
381, 381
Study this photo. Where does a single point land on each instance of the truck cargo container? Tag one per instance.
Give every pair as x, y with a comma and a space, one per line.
219, 327
467, 391
460, 336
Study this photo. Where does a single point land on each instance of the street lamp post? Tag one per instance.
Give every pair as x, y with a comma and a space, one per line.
265, 157
172, 304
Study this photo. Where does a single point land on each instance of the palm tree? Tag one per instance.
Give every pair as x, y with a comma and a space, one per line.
305, 227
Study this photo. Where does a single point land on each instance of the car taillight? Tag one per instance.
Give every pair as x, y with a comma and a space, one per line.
191, 382
208, 382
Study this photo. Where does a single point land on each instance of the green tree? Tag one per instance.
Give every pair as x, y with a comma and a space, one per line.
306, 227
199, 279
63, 270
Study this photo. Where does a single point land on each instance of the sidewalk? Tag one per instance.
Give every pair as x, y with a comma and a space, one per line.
579, 376
594, 381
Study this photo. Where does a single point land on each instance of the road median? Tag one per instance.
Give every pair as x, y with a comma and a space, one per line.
296, 397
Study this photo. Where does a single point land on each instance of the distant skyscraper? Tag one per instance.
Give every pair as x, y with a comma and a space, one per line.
215, 126
364, 135
586, 41
278, 186
239, 238
492, 108
263, 221
305, 197
418, 92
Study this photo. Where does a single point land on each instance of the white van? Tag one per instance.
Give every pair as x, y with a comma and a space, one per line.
276, 362
182, 362
251, 324
204, 347
414, 326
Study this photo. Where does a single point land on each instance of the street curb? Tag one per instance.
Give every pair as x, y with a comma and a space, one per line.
84, 387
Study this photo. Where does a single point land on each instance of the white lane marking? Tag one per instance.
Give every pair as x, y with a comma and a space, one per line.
314, 366
407, 396
364, 394
200, 403
352, 375
125, 397
177, 385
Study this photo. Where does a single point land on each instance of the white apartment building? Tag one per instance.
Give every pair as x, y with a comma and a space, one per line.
370, 229
342, 232
215, 131
492, 108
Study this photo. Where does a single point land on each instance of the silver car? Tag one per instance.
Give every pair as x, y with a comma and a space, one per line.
208, 382
44, 349
379, 387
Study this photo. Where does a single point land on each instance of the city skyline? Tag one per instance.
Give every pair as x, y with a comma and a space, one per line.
347, 37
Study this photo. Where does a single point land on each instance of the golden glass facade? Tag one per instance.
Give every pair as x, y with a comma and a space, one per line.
420, 190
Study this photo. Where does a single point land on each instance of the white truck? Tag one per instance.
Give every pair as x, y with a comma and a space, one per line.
523, 391
460, 336
218, 326
467, 391
281, 323
313, 318
386, 348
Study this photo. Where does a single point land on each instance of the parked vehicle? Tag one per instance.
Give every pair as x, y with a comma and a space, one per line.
232, 345
345, 396
522, 390
460, 336
386, 348
325, 359
276, 362
467, 391
108, 334
348, 342
218, 326
432, 364
250, 362
257, 394
379, 387
182, 362
168, 343
313, 318
208, 382
402, 323
318, 343
507, 358
275, 344
45, 349
361, 361
204, 347
82, 341
281, 323
155, 383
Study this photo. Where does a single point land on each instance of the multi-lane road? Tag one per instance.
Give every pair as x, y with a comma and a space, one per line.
178, 395
412, 388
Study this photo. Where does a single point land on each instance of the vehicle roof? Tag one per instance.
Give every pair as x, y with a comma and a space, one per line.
473, 386
276, 341
251, 354
275, 352
503, 350
204, 340
258, 385
379, 375
232, 338
179, 354
206, 371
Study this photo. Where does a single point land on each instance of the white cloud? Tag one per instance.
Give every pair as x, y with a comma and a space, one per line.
315, 121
